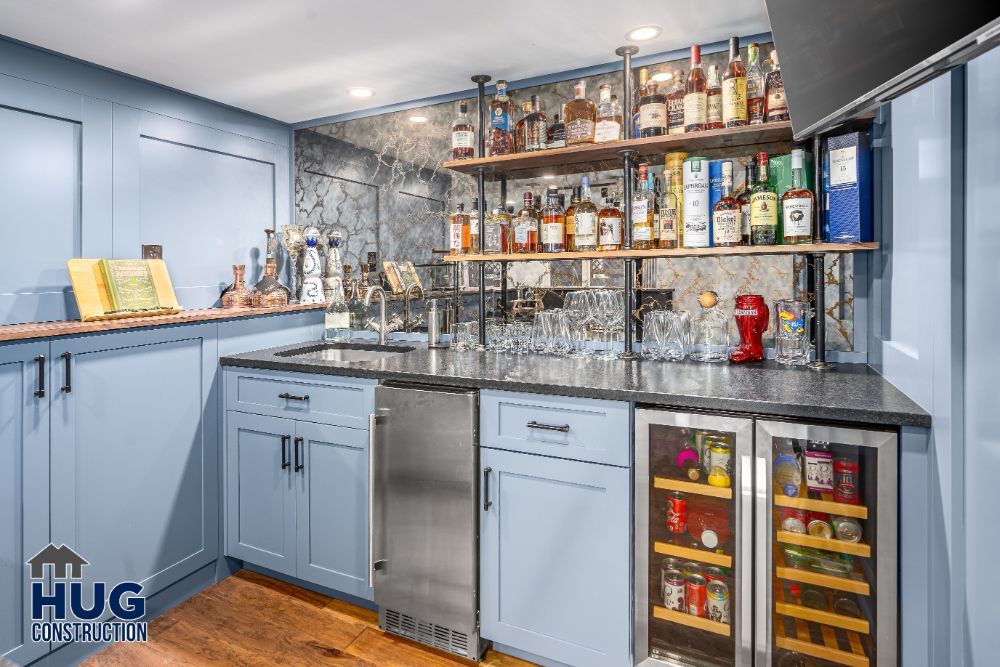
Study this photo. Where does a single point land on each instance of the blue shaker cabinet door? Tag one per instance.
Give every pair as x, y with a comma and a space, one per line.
332, 507
554, 562
260, 498
24, 492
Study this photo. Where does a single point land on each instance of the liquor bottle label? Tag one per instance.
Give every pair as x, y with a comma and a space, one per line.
675, 115
652, 115
552, 232
714, 113
534, 135
640, 210
777, 105
463, 139
695, 109
797, 214
745, 219
734, 100
521, 230
763, 209
642, 232
474, 224
844, 166
610, 232
726, 227
668, 224
500, 120
455, 238
570, 225
586, 228
607, 130
580, 129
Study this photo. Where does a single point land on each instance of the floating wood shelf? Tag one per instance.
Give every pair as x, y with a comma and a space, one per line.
825, 504
801, 249
692, 487
828, 544
789, 573
801, 641
699, 555
600, 157
691, 621
785, 605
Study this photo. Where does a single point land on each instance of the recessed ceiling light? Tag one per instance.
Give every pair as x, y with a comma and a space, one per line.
660, 77
643, 32
361, 92
418, 119
548, 177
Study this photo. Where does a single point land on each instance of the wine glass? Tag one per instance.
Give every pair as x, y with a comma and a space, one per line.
293, 239
578, 307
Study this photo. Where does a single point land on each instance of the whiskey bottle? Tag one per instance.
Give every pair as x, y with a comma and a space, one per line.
609, 120
585, 219
609, 224
755, 86
459, 233
526, 227
640, 91
652, 112
675, 105
571, 221
474, 217
501, 138
695, 95
556, 134
519, 135
714, 109
553, 224
580, 117
643, 205
726, 212
734, 88
668, 214
463, 134
775, 104
535, 126
797, 205
496, 229
744, 200
763, 207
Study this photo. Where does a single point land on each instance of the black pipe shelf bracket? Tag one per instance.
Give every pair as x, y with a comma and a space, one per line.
481, 80
628, 157
818, 263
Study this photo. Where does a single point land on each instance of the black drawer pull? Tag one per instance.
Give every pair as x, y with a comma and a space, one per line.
284, 452
549, 427
299, 465
40, 392
68, 360
293, 397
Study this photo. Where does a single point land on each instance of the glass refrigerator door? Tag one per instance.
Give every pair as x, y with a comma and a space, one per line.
826, 546
693, 512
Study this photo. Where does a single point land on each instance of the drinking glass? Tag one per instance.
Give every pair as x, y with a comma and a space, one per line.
494, 334
792, 320
577, 307
677, 335
540, 332
653, 334
560, 340
466, 335
609, 308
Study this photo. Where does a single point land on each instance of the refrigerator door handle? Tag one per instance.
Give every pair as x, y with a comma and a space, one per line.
762, 539
372, 421
745, 629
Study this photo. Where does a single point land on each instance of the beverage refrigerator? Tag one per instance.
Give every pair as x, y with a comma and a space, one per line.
763, 542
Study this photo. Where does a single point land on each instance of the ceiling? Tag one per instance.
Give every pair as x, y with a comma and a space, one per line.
293, 60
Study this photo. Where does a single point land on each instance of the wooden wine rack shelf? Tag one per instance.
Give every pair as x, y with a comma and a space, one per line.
789, 573
785, 605
828, 544
692, 487
824, 504
699, 555
691, 621
801, 641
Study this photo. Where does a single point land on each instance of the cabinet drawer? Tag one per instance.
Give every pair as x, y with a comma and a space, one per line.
337, 401
580, 429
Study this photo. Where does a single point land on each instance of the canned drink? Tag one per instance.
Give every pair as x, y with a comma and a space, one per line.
689, 568
847, 529
673, 590
666, 565
715, 574
845, 476
720, 455
718, 602
793, 520
696, 234
702, 441
677, 513
819, 525
696, 595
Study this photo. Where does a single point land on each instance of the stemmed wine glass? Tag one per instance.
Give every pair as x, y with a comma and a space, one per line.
579, 309
609, 310
293, 239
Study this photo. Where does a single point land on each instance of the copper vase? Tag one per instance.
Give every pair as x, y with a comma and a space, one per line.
237, 295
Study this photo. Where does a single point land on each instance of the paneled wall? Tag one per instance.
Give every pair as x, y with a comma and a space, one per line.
95, 164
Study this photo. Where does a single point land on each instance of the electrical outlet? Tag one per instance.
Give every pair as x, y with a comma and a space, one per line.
152, 251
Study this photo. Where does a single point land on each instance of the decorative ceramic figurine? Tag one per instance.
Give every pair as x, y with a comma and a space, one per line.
312, 270
334, 274
293, 241
237, 295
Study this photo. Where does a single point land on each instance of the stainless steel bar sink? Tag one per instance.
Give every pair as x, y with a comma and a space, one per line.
350, 353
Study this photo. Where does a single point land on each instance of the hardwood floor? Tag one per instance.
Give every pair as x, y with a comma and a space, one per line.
249, 619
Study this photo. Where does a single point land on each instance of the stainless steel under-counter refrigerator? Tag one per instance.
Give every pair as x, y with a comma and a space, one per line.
764, 542
424, 489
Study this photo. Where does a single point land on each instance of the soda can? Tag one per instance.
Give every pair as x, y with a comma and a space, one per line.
819, 525
845, 480
666, 565
847, 529
673, 590
696, 595
718, 602
720, 455
676, 513
793, 520
691, 567
715, 574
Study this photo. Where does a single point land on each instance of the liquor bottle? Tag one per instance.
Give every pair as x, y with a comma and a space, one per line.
695, 95
734, 88
571, 220
640, 91
581, 117
463, 134
675, 105
668, 214
553, 224
696, 211
755, 86
535, 126
797, 205
763, 206
726, 213
643, 204
652, 112
585, 219
609, 124
775, 103
474, 226
458, 238
556, 133
519, 127
786, 467
609, 224
501, 139
713, 114
337, 319
526, 227
744, 200
496, 228
654, 186
356, 306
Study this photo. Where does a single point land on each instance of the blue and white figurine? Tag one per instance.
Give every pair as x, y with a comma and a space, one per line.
312, 270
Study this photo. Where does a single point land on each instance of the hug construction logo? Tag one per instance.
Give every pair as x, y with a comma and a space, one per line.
69, 610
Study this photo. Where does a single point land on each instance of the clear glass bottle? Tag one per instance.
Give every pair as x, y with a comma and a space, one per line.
356, 307
755, 86
609, 121
710, 331
553, 224
496, 228
695, 95
535, 126
726, 213
609, 224
585, 219
763, 206
734, 88
580, 116
526, 227
643, 206
474, 227
797, 205
458, 232
337, 319
556, 134
501, 137
786, 467
668, 214
744, 200
713, 115
775, 103
638, 94
463, 134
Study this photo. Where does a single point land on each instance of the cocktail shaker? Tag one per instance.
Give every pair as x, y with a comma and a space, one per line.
434, 321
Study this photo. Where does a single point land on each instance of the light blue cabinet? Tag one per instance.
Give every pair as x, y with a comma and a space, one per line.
554, 558
24, 489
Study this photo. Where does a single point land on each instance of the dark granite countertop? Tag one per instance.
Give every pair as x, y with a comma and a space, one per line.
851, 393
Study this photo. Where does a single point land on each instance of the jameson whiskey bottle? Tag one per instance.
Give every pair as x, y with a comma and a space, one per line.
763, 207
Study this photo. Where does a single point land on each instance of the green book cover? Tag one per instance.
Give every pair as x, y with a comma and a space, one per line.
130, 285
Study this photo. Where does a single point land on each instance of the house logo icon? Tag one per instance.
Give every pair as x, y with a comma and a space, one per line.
61, 558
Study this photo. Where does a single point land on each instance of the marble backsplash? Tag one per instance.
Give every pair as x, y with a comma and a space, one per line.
379, 181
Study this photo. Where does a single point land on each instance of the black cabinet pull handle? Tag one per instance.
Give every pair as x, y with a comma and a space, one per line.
299, 465
284, 452
293, 397
40, 392
68, 361
487, 503
549, 427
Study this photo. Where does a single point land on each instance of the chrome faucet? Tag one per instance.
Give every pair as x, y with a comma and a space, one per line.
407, 324
383, 326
